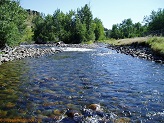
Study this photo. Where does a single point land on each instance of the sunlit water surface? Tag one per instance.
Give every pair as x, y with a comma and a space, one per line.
39, 87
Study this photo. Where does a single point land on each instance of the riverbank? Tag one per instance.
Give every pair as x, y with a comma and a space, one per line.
35, 50
20, 52
149, 48
146, 48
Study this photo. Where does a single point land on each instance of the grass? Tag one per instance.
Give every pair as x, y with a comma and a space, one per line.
156, 43
127, 41
110, 41
88, 42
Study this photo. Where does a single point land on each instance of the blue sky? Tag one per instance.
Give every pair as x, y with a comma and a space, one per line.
109, 11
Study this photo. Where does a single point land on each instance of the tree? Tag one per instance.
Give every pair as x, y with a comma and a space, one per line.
115, 32
107, 33
12, 23
69, 27
139, 30
39, 29
155, 21
72, 27
59, 23
127, 28
99, 30
79, 31
86, 17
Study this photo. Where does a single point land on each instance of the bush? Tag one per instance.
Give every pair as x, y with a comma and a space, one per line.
12, 23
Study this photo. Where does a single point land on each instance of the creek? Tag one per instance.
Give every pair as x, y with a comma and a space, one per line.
45, 87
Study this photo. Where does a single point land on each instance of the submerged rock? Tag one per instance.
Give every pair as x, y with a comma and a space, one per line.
3, 113
57, 112
94, 107
10, 105
122, 120
72, 113
92, 114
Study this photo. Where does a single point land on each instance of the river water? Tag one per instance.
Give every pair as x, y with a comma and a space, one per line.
45, 87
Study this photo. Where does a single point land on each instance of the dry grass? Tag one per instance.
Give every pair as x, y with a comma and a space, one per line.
129, 41
156, 43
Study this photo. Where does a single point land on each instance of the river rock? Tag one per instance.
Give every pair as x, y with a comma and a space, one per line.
72, 113
72, 117
144, 52
57, 112
9, 54
94, 107
122, 120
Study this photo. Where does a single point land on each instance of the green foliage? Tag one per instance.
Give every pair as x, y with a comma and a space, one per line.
107, 33
127, 29
72, 27
28, 37
99, 30
16, 26
155, 21
12, 23
38, 29
80, 31
157, 44
86, 17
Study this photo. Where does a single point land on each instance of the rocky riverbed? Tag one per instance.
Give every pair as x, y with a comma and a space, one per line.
9, 54
35, 50
140, 51
90, 114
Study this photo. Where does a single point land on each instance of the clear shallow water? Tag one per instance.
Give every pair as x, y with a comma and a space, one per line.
41, 87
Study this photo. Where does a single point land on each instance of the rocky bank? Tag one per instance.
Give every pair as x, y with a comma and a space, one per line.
20, 52
35, 50
139, 50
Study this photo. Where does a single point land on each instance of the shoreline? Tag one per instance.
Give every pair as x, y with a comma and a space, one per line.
23, 51
138, 50
35, 50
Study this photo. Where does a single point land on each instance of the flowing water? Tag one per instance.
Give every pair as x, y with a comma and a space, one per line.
45, 87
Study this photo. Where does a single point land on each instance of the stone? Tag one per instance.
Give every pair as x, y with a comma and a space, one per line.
3, 113
5, 59
122, 120
57, 112
72, 113
158, 61
10, 105
95, 107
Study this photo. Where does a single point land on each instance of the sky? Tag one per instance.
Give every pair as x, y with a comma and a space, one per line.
109, 11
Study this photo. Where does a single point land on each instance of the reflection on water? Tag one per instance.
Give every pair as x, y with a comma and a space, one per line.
45, 87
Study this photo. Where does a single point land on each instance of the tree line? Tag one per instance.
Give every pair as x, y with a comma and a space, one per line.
128, 29
17, 25
72, 27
